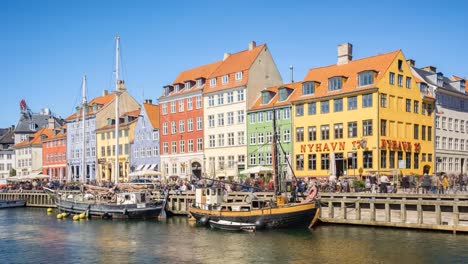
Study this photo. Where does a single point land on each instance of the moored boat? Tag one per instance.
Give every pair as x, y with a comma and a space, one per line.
231, 226
12, 203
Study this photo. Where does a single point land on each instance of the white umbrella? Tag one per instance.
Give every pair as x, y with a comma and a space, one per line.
257, 169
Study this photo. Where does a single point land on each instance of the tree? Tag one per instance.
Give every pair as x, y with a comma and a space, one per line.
12, 172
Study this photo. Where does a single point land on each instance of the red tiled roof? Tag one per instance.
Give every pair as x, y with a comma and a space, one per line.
198, 72
35, 139
378, 63
134, 113
296, 87
153, 114
101, 100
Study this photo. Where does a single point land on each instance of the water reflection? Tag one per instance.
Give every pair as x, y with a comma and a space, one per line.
31, 236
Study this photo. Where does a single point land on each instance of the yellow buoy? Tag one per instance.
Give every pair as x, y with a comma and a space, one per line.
82, 216
49, 210
59, 216
64, 215
76, 217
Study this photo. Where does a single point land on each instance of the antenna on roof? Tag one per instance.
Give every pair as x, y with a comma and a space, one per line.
291, 69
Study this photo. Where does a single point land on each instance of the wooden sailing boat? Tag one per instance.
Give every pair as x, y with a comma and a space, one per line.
276, 212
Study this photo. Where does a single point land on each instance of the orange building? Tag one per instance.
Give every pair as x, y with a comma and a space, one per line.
54, 154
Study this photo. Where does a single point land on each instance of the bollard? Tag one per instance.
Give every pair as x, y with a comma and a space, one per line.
420, 211
438, 213
358, 209
330, 210
372, 211
343, 208
403, 211
388, 216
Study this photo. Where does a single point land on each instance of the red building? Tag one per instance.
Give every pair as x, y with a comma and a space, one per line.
54, 154
181, 123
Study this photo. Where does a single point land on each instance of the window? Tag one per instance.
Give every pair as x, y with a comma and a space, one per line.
450, 143
182, 146
230, 118
408, 84
391, 78
444, 142
199, 82
367, 100
173, 107
287, 135
173, 127
221, 162
230, 97
300, 162
230, 162
299, 110
220, 99
462, 126
225, 79
253, 139
221, 119
220, 140
261, 138
455, 145
408, 105
367, 159
199, 144
456, 125
311, 108
230, 138
366, 78
400, 65
423, 110
253, 117
240, 138
241, 159
429, 133
240, 95
367, 127
352, 129
338, 105
312, 162
211, 100
213, 82
335, 83
416, 107
253, 159
181, 126
324, 107
199, 123
287, 113
308, 88
190, 125
269, 137
181, 105
392, 160
260, 117
400, 80
423, 132
408, 160
444, 123
325, 161
383, 159
300, 134
164, 108
189, 103
352, 102
174, 147
416, 131
199, 102
312, 131
238, 76
240, 116
383, 100
190, 145
325, 129
383, 127
212, 141
338, 130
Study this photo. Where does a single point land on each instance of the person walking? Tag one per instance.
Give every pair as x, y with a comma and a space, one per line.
445, 183
384, 181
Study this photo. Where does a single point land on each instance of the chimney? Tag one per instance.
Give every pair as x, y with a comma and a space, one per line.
430, 69
51, 123
105, 92
411, 62
252, 45
148, 101
226, 55
121, 86
345, 53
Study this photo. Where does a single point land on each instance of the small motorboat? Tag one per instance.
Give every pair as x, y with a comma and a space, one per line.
12, 203
232, 226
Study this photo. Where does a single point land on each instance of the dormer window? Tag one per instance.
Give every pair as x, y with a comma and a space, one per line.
187, 85
225, 79
440, 79
423, 88
238, 76
308, 88
200, 82
266, 97
335, 83
176, 88
32, 127
462, 86
213, 82
366, 78
43, 137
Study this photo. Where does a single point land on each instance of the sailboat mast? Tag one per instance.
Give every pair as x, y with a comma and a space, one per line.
83, 130
277, 181
117, 94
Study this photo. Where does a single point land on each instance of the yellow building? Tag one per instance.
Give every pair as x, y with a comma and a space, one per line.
362, 116
106, 147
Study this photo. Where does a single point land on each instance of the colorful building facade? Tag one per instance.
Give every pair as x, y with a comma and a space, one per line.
230, 91
54, 154
145, 146
273, 106
7, 153
364, 116
29, 153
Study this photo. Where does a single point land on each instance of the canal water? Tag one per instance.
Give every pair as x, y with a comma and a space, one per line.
29, 235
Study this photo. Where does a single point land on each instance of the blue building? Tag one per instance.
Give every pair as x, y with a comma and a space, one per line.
145, 147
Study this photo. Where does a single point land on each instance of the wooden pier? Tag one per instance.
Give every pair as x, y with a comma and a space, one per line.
416, 211
33, 198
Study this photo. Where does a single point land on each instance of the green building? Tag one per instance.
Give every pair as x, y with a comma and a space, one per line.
260, 121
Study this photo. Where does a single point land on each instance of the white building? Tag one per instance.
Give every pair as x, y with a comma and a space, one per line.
7, 154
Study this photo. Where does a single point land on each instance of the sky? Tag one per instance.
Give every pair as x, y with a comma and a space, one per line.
47, 46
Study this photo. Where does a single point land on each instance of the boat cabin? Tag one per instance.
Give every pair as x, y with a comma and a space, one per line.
209, 197
131, 198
